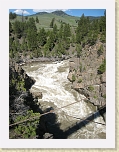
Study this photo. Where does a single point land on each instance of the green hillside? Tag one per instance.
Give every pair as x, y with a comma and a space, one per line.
45, 19
53, 34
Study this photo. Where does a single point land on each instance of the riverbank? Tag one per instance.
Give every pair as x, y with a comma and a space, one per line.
51, 80
93, 88
36, 93
23, 61
88, 74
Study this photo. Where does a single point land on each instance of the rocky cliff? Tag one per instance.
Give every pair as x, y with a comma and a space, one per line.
20, 98
88, 73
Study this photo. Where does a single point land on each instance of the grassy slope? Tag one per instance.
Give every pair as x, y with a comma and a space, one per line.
45, 20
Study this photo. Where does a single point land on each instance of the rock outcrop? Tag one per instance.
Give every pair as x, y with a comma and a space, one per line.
38, 95
20, 98
84, 74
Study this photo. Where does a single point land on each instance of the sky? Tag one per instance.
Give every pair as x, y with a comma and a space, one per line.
72, 12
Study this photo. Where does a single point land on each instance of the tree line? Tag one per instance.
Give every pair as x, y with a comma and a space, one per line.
26, 39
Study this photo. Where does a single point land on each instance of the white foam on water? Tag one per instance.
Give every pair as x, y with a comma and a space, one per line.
51, 82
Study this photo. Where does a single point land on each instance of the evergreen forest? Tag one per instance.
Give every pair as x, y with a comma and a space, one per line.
27, 40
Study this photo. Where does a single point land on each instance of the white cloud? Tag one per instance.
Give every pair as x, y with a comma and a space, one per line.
48, 10
19, 11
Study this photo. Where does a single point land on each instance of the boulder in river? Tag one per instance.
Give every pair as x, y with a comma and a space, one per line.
37, 94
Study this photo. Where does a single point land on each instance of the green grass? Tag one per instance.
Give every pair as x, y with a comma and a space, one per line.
45, 20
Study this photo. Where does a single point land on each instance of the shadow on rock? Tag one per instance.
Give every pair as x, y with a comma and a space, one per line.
48, 127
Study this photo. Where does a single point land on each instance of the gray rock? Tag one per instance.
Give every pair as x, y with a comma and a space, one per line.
103, 78
37, 95
85, 69
48, 136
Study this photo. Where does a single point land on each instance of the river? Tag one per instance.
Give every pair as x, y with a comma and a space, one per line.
51, 80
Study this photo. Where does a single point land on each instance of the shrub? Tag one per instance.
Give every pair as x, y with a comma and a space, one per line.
84, 69
104, 96
21, 85
100, 51
95, 97
80, 80
80, 67
102, 67
103, 39
28, 128
90, 88
73, 78
31, 56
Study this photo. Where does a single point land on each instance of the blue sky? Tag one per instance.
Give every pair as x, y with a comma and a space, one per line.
73, 12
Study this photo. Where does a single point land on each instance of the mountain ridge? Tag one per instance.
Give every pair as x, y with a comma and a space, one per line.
60, 13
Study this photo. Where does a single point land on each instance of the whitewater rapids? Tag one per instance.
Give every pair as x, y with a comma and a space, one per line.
51, 80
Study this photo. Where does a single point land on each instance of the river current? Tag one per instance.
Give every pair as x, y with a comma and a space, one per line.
51, 80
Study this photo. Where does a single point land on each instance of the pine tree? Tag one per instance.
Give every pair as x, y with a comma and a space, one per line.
31, 24
17, 44
60, 35
61, 49
12, 15
82, 29
37, 20
32, 39
17, 29
42, 37
46, 50
66, 31
102, 24
78, 35
55, 29
10, 43
24, 45
52, 23
31, 34
51, 41
26, 17
10, 27
102, 27
55, 32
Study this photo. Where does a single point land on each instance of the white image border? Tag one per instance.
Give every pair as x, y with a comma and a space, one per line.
109, 142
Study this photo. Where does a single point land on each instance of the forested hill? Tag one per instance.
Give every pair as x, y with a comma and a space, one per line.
45, 18
28, 38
